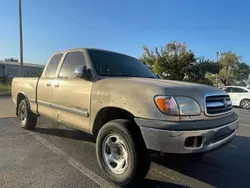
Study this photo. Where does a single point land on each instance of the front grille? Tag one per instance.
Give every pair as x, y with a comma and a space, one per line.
218, 105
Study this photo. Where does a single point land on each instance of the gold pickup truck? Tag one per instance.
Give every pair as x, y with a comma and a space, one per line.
129, 109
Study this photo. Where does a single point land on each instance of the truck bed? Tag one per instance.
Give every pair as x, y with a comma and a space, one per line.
26, 86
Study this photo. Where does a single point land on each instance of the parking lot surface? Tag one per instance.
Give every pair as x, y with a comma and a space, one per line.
54, 155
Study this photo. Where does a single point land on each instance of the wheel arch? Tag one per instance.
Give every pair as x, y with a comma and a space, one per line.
243, 99
20, 97
107, 114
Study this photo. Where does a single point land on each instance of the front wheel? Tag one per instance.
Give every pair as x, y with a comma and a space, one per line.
245, 103
121, 156
28, 120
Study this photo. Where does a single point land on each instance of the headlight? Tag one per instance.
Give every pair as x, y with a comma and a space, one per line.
188, 106
177, 105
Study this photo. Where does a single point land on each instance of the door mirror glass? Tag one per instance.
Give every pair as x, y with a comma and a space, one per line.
81, 72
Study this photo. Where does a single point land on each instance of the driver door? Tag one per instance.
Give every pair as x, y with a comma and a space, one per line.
70, 100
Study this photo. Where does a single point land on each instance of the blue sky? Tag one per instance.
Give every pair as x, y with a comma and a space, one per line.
206, 26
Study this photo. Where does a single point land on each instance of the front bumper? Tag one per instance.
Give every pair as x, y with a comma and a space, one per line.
175, 141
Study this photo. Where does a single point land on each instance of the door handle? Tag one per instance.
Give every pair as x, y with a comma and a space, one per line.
49, 84
57, 85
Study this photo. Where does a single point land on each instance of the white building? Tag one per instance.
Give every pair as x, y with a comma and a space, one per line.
12, 69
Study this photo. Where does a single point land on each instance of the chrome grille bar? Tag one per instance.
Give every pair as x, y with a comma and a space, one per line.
217, 104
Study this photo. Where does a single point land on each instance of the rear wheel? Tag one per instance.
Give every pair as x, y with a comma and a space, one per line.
245, 103
122, 157
28, 119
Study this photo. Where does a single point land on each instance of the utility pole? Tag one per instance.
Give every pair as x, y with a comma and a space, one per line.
21, 37
217, 56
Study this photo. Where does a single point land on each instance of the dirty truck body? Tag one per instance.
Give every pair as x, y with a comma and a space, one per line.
120, 100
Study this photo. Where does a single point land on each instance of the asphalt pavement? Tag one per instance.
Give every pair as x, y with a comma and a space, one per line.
54, 155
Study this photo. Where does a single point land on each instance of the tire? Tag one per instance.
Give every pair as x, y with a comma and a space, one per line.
245, 103
27, 119
119, 140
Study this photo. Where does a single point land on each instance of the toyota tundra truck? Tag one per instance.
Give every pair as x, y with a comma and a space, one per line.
130, 109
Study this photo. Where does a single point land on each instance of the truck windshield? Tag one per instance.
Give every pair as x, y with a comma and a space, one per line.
114, 64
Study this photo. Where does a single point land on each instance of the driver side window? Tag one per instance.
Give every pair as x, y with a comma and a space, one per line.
71, 61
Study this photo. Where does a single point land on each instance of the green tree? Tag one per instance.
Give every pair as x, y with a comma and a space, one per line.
3, 79
173, 61
233, 70
229, 62
11, 59
243, 72
204, 71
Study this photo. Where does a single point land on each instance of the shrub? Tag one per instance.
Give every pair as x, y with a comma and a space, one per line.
3, 79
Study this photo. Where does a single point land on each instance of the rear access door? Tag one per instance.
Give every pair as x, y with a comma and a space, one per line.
45, 83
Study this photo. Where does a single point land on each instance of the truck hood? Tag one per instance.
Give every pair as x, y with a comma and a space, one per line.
170, 86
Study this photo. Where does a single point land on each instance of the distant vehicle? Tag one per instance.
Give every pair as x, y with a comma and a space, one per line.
239, 95
119, 99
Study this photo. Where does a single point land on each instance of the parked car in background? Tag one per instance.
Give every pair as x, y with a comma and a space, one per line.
240, 96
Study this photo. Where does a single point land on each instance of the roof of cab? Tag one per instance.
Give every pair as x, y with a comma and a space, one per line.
78, 49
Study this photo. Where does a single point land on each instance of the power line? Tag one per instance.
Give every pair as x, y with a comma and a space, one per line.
77, 23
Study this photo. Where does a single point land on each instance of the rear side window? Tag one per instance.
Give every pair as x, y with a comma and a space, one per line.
52, 66
228, 89
71, 61
238, 90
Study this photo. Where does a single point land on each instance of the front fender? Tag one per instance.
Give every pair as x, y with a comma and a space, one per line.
136, 99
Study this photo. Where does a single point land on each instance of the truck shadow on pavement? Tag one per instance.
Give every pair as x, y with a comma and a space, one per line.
79, 135
146, 183
66, 133
226, 167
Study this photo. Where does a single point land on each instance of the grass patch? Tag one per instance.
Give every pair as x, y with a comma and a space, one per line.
4, 88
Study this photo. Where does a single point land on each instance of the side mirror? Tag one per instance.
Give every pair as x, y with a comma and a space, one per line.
81, 72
